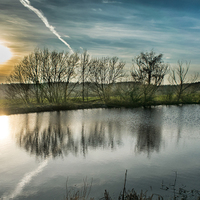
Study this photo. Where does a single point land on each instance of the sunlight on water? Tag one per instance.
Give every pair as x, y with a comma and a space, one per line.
4, 127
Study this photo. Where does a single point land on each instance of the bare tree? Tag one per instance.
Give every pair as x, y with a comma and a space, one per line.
104, 73
32, 69
179, 78
54, 75
27, 76
59, 70
43, 75
19, 87
85, 72
129, 91
149, 72
72, 64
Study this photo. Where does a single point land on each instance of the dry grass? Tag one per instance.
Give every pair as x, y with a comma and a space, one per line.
79, 193
82, 193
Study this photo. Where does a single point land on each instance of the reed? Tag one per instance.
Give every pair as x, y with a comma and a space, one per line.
83, 193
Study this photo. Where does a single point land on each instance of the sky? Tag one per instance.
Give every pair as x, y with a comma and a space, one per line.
122, 28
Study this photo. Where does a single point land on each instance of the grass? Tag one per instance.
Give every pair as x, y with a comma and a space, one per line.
7, 107
17, 106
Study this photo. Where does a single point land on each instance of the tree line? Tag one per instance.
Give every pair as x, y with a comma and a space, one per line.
58, 77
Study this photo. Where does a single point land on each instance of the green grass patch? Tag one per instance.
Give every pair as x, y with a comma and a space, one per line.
8, 106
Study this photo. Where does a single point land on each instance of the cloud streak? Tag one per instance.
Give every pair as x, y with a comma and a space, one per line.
26, 3
105, 1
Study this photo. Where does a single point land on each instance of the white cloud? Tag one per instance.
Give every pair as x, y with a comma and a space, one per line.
105, 1
18, 21
27, 4
195, 27
99, 9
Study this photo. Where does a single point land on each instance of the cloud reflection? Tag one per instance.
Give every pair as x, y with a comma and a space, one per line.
26, 180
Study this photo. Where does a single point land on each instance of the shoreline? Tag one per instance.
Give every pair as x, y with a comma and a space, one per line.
46, 108
51, 108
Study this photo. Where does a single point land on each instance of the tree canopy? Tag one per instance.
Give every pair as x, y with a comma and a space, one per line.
149, 69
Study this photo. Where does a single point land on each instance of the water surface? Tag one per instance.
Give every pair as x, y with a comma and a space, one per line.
40, 152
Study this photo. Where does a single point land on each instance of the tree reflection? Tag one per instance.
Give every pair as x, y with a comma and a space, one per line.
53, 136
149, 139
43, 143
149, 132
83, 141
180, 123
97, 135
104, 134
71, 145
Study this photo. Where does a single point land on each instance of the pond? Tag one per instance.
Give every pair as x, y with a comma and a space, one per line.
44, 155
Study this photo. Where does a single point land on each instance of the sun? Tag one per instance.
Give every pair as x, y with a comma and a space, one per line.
5, 54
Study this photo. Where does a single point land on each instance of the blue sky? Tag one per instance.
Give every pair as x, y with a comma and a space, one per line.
122, 28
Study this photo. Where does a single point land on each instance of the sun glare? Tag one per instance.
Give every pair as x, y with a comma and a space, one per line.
4, 126
5, 54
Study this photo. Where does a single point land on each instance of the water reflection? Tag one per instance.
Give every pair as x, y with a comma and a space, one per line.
180, 116
54, 136
60, 133
104, 134
4, 127
99, 144
25, 181
149, 139
42, 141
149, 131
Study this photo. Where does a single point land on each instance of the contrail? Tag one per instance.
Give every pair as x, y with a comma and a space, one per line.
25, 180
26, 3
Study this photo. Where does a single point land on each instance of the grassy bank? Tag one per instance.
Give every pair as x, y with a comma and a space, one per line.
121, 95
8, 107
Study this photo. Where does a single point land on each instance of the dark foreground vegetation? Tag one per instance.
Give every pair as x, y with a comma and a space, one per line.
47, 81
174, 193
